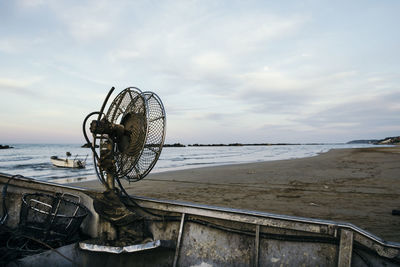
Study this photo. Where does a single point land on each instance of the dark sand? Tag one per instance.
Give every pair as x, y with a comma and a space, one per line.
360, 186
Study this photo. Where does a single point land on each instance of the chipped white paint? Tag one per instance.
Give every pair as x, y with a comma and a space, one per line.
203, 264
274, 260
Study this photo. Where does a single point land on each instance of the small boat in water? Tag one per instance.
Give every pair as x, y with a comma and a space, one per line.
68, 163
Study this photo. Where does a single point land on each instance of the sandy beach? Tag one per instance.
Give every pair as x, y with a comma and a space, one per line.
360, 186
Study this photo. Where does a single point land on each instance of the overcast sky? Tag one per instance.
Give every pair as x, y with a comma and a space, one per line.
227, 71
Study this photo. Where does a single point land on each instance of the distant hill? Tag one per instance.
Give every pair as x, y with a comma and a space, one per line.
174, 145
390, 141
386, 141
369, 141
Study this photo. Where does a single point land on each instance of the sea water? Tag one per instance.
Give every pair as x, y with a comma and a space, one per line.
33, 160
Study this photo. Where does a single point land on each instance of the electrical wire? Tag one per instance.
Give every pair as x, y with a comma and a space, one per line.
18, 245
99, 173
53, 249
105, 101
134, 203
96, 157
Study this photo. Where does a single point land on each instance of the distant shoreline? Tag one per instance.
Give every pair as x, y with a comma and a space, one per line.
246, 144
386, 141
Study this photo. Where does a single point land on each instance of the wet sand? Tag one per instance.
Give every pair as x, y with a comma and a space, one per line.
360, 186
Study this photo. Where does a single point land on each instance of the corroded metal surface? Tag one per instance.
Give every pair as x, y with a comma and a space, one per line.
345, 248
214, 236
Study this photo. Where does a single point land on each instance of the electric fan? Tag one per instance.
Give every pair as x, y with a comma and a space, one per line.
130, 136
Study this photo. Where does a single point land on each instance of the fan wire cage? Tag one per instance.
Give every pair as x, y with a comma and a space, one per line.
156, 133
143, 113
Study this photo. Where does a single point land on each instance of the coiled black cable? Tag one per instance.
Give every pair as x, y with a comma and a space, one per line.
96, 157
92, 145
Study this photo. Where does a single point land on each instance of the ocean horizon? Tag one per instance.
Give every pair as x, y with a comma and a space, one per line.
33, 160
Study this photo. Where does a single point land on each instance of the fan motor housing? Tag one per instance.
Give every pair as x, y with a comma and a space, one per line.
105, 127
131, 142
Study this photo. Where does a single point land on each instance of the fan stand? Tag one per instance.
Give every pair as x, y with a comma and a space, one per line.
107, 163
131, 136
110, 181
115, 215
118, 222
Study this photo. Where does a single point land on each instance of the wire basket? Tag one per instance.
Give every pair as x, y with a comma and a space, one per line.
51, 217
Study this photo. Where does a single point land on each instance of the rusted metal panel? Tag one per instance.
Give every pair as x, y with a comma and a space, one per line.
345, 248
289, 253
228, 237
205, 246
260, 218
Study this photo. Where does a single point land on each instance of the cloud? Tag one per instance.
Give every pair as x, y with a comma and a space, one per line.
214, 116
22, 87
211, 62
31, 3
361, 115
9, 45
89, 21
123, 55
15, 45
86, 29
192, 42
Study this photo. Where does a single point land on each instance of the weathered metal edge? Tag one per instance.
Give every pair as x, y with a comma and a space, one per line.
251, 217
119, 250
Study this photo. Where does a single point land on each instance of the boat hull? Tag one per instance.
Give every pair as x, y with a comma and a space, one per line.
210, 236
68, 163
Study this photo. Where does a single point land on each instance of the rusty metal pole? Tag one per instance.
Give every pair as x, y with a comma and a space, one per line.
178, 245
345, 248
257, 246
110, 181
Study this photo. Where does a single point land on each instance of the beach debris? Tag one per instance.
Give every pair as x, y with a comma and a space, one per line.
313, 204
251, 172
